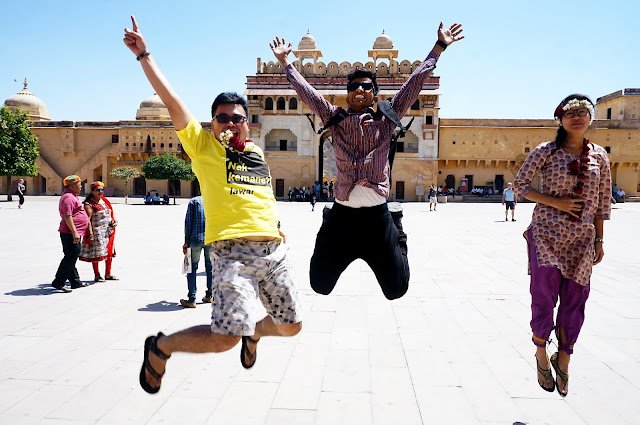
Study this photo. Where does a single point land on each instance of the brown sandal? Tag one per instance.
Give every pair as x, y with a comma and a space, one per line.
547, 375
150, 344
244, 351
559, 374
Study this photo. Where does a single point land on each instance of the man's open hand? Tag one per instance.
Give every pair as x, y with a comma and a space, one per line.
280, 49
451, 34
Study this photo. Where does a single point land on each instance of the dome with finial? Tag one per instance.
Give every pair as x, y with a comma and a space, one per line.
308, 42
153, 109
28, 103
383, 42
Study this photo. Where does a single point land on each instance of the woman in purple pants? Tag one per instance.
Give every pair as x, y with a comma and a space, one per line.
565, 236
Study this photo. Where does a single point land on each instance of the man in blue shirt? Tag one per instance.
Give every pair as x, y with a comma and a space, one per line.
509, 199
194, 239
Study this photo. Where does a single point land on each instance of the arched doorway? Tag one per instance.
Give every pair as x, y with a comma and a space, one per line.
140, 186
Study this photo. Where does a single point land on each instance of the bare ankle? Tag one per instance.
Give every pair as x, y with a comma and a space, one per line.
162, 344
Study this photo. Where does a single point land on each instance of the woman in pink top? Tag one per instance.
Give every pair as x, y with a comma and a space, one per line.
565, 236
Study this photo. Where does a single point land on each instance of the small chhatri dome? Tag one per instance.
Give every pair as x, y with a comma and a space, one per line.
308, 42
383, 42
28, 103
153, 109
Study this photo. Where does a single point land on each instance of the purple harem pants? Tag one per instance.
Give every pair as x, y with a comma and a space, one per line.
547, 284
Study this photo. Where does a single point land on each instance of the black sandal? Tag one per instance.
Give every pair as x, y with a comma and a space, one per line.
244, 351
559, 374
150, 344
547, 375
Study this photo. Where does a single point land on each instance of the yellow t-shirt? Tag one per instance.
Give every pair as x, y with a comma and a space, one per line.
236, 187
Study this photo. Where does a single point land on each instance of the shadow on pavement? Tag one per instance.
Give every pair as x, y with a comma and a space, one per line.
162, 306
42, 289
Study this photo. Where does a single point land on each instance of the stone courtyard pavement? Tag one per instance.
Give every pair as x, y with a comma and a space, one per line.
455, 350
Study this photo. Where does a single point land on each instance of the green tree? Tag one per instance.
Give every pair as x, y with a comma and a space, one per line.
168, 167
125, 174
19, 147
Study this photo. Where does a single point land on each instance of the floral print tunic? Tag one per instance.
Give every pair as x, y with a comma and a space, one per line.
97, 249
562, 241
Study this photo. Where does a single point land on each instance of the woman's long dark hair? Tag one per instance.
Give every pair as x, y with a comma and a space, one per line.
88, 198
561, 137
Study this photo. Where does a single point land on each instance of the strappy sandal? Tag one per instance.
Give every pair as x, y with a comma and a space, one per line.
559, 374
244, 351
150, 344
547, 375
111, 277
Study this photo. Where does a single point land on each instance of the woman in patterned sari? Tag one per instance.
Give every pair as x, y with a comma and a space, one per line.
98, 240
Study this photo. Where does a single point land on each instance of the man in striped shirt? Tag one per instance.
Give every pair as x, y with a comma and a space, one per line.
194, 240
360, 224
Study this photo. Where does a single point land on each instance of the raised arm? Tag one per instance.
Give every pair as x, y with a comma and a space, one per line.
180, 115
309, 95
410, 90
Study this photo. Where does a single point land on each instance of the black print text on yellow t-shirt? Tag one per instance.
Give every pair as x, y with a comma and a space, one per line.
247, 168
233, 191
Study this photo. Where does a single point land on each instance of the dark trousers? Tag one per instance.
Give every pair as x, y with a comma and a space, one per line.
371, 234
21, 199
67, 268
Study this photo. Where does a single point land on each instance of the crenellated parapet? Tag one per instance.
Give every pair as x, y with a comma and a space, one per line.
342, 69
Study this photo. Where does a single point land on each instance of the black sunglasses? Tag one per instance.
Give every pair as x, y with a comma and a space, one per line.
224, 118
354, 86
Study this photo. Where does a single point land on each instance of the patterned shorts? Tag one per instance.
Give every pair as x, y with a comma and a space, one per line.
245, 272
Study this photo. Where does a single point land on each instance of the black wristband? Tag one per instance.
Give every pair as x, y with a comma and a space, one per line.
145, 53
442, 44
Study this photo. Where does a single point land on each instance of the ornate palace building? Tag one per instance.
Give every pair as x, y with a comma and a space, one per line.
435, 150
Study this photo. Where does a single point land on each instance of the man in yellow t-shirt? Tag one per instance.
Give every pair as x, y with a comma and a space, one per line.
247, 248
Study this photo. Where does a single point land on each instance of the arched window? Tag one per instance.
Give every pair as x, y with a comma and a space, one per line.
268, 104
280, 105
416, 105
293, 104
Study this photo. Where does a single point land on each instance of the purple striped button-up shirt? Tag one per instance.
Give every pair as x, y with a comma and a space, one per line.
361, 144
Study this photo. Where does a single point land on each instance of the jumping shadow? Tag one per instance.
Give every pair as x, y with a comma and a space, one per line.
162, 306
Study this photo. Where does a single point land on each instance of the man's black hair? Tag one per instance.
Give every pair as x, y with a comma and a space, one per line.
363, 73
229, 98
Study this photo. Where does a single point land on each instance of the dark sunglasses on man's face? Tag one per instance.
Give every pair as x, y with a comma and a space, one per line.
354, 86
236, 118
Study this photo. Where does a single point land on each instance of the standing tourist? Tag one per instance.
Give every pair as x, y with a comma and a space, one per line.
433, 197
98, 244
21, 189
566, 233
73, 224
509, 200
194, 225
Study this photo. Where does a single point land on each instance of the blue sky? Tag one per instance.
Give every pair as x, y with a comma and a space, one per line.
518, 60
